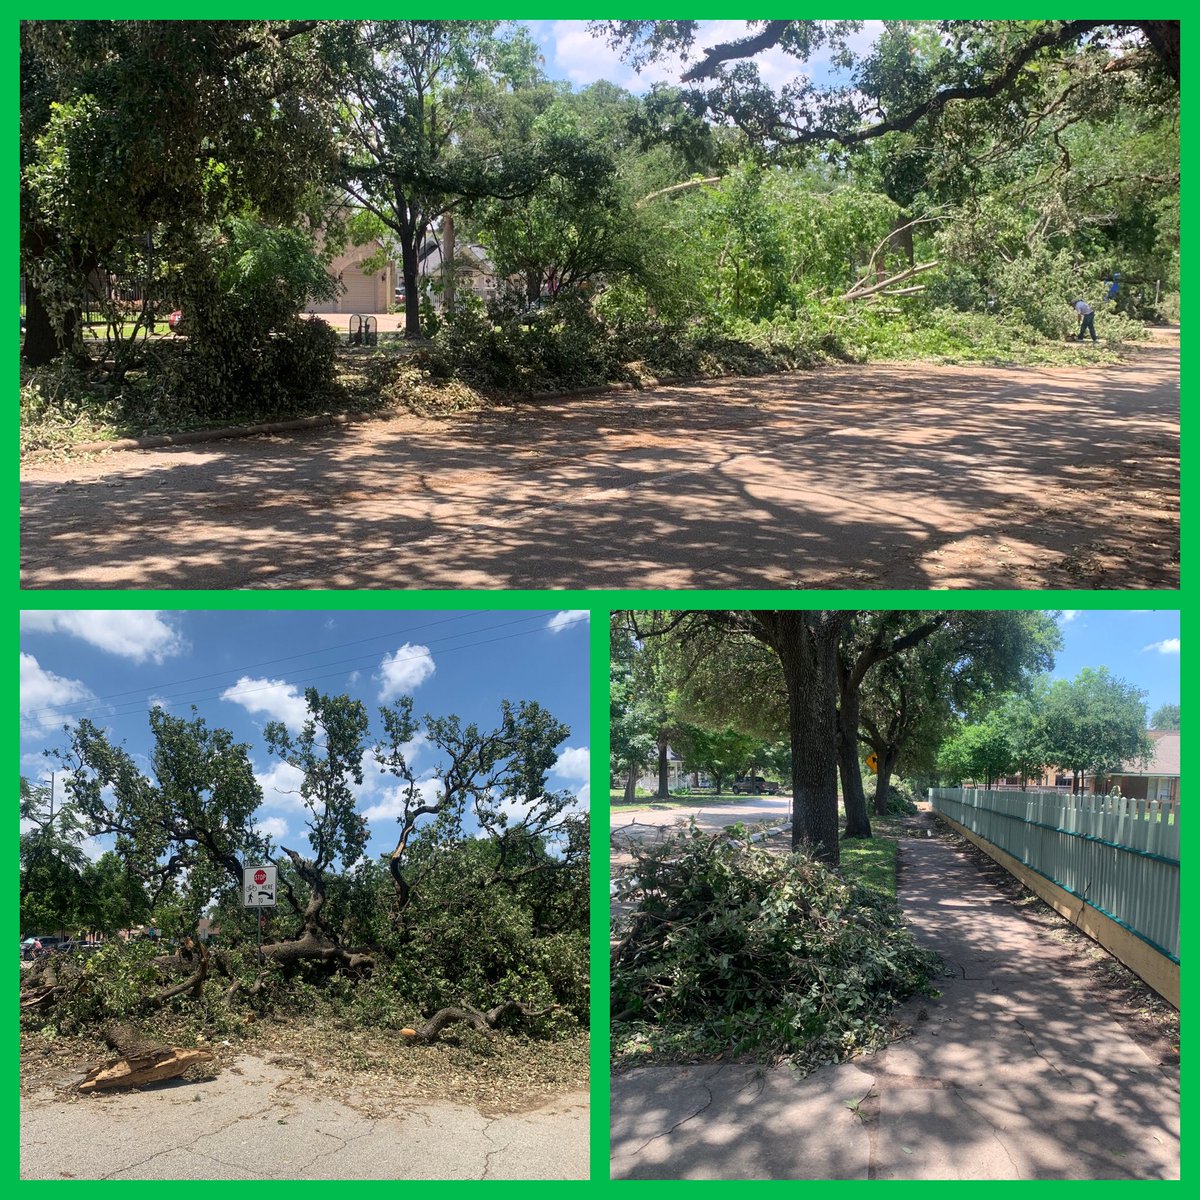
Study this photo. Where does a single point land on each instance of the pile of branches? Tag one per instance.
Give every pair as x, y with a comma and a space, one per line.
132, 984
733, 949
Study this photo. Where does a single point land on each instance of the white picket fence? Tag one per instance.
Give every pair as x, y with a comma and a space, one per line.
1119, 855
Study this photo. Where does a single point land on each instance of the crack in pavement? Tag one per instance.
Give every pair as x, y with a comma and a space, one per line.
1033, 1046
684, 1121
961, 1098
487, 1133
186, 1146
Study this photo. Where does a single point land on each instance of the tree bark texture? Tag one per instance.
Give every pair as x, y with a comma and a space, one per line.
887, 766
807, 645
858, 821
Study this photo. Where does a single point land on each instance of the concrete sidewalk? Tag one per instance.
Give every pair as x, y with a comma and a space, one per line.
1015, 1072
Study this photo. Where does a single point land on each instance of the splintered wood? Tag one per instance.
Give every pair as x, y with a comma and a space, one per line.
137, 1071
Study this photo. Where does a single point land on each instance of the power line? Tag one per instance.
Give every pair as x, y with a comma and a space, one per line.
268, 662
124, 711
100, 703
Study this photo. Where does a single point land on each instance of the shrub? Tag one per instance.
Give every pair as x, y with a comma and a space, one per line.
739, 950
902, 798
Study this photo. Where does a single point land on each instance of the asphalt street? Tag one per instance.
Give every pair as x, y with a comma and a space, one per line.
259, 1120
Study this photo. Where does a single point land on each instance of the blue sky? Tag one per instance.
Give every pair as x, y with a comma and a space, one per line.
1140, 647
242, 669
571, 53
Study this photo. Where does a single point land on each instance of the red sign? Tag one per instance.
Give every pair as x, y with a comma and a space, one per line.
260, 876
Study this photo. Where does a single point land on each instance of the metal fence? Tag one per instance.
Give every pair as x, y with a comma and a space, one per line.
1119, 855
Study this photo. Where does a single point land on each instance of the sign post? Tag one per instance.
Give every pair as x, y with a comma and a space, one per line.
258, 891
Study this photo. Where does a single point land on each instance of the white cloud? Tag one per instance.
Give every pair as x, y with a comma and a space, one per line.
584, 59
158, 702
568, 618
42, 692
354, 677
281, 785
391, 804
93, 847
274, 827
1166, 646
574, 767
405, 670
36, 767
1068, 615
272, 697
137, 635
375, 778
574, 764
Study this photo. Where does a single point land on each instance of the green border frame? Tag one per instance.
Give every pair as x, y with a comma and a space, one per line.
599, 602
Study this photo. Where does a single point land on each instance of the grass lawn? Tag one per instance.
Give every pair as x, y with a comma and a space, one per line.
871, 863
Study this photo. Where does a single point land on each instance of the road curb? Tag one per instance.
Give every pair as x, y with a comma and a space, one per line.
229, 432
223, 433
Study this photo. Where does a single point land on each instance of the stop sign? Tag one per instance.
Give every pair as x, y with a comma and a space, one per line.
260, 876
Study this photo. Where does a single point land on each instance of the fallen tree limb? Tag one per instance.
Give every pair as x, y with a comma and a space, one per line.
40, 997
194, 984
311, 948
141, 1062
860, 293
678, 187
168, 1063
486, 1021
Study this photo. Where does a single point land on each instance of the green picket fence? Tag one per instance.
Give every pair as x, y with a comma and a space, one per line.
1119, 855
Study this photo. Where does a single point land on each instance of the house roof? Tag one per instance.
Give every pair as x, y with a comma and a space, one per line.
431, 257
1165, 760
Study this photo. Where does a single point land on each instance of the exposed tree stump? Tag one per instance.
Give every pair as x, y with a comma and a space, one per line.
142, 1062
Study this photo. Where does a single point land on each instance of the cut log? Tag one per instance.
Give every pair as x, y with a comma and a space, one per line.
167, 1062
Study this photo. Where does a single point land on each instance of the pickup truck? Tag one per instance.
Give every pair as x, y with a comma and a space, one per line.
754, 785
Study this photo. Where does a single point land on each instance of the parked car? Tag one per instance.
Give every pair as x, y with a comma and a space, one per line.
174, 320
33, 946
754, 785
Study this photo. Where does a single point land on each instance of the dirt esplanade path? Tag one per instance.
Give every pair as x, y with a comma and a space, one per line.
894, 475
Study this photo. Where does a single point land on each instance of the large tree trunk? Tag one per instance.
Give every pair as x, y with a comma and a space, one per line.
807, 645
410, 265
316, 948
1163, 37
887, 765
631, 784
43, 344
858, 822
902, 237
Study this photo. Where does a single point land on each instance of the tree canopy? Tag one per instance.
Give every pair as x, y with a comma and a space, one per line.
833, 680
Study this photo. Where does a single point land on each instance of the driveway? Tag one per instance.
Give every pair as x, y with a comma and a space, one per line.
898, 476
